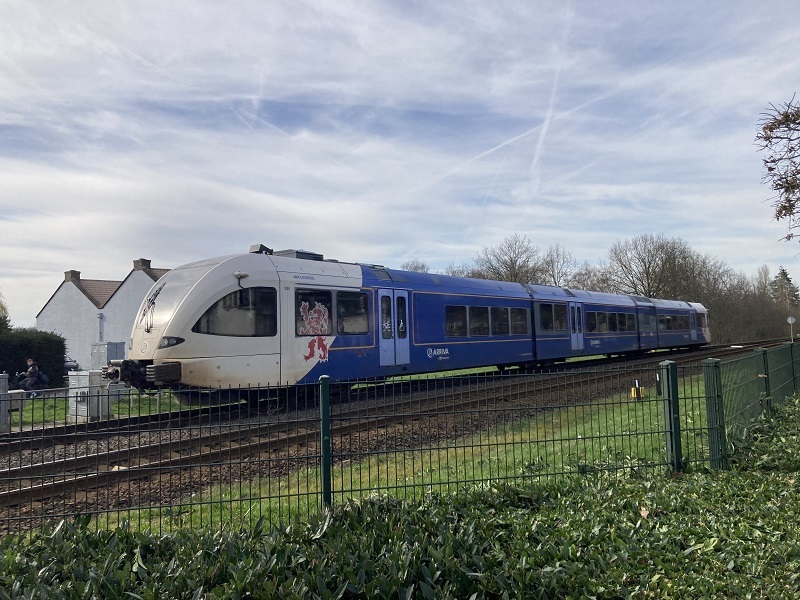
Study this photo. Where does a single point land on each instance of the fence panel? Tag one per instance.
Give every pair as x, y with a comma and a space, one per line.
781, 372
419, 435
744, 395
691, 396
163, 460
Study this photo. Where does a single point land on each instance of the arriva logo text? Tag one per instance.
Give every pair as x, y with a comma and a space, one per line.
434, 352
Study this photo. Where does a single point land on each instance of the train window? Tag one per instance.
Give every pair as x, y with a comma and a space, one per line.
455, 321
519, 321
499, 321
612, 322
560, 317
701, 321
647, 322
630, 322
386, 318
402, 318
479, 320
552, 317
546, 317
313, 310
352, 313
602, 322
591, 322
249, 312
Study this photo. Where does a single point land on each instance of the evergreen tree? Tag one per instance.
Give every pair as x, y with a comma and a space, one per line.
783, 291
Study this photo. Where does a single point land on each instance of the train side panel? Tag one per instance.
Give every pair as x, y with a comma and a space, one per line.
457, 330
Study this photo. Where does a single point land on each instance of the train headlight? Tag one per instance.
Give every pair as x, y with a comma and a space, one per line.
169, 341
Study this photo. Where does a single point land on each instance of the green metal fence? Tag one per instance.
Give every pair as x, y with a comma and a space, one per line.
244, 455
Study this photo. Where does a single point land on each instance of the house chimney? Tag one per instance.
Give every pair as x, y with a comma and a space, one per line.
141, 264
72, 275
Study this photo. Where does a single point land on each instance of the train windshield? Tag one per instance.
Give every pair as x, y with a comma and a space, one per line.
167, 293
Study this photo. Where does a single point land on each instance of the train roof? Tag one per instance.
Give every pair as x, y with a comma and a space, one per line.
442, 281
291, 260
602, 297
671, 303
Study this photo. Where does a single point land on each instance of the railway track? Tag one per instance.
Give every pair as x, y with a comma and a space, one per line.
163, 446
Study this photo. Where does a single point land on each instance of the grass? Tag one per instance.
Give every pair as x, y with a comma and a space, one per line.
51, 410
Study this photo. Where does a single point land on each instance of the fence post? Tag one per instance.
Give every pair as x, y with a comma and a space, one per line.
325, 438
715, 415
794, 372
764, 375
672, 414
5, 417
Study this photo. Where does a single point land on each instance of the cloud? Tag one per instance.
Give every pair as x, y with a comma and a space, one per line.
379, 132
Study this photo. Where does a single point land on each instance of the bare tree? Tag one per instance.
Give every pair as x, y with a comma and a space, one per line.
651, 266
5, 323
514, 259
415, 265
462, 270
588, 277
763, 280
558, 266
779, 136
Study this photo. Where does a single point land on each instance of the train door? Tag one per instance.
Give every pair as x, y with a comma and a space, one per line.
693, 325
576, 326
648, 327
393, 317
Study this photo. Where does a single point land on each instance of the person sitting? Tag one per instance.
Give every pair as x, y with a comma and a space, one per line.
30, 377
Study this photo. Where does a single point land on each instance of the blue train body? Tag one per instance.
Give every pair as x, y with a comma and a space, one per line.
265, 318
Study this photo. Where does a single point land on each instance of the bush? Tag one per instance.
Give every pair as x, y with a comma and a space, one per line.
17, 345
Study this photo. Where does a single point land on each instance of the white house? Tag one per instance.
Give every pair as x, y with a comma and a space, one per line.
87, 311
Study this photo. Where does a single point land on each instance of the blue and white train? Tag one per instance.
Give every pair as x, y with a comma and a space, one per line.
282, 318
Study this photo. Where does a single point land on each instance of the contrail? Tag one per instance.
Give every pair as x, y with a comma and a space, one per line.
242, 118
550, 108
476, 157
486, 197
542, 128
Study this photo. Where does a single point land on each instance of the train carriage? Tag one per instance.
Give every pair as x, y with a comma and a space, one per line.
275, 318
609, 322
457, 322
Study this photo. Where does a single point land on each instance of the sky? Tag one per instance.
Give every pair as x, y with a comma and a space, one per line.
382, 131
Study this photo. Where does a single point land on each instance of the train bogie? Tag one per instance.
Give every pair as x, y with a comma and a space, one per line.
272, 319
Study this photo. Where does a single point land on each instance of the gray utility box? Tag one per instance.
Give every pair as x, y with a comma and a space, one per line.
89, 399
104, 352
